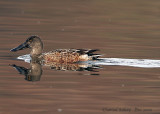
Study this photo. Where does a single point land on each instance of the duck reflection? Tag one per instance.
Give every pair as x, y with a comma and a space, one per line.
72, 67
35, 71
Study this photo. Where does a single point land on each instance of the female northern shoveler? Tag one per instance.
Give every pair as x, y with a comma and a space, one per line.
58, 55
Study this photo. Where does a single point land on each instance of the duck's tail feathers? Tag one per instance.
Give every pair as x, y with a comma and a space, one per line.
92, 50
95, 56
86, 51
90, 53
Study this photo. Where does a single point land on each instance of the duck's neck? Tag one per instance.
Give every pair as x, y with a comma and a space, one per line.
36, 48
36, 52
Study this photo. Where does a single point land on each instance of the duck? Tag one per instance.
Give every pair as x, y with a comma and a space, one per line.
35, 43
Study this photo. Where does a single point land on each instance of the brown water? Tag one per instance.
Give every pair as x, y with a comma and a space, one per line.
119, 28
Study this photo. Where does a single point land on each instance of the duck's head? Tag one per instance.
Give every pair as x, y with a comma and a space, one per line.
34, 43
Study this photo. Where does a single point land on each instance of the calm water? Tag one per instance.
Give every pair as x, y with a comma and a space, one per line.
120, 29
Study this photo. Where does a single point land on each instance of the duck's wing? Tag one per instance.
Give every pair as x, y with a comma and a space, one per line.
85, 52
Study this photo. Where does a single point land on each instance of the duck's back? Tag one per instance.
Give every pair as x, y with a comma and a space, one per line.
70, 55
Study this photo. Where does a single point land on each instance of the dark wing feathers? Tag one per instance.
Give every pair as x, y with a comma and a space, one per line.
92, 50
89, 52
85, 51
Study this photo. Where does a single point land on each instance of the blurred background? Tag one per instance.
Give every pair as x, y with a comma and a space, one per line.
119, 28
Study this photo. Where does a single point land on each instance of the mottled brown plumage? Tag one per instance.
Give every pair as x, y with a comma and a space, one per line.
66, 56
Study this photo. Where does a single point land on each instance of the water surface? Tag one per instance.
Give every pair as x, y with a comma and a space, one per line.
120, 29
